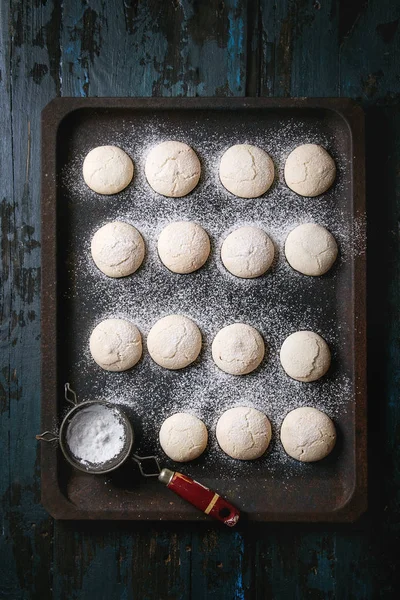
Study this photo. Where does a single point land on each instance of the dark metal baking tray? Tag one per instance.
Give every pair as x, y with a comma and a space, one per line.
335, 489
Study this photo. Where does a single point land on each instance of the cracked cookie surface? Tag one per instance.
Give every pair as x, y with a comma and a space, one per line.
116, 344
246, 171
183, 247
107, 170
309, 170
305, 356
247, 252
117, 249
183, 437
238, 349
174, 342
311, 249
308, 434
172, 169
243, 433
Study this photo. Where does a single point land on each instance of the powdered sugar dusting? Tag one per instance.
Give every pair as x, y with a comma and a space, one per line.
277, 304
95, 435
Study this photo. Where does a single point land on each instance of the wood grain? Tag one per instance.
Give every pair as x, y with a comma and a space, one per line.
26, 86
136, 48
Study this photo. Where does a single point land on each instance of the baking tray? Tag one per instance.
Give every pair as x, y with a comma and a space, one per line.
274, 488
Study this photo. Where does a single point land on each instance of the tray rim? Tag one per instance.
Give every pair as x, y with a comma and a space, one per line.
52, 498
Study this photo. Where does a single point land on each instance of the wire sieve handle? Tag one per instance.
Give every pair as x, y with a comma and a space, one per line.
70, 395
47, 436
154, 464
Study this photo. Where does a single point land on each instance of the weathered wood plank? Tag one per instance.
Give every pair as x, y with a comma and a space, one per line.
162, 556
368, 51
166, 48
369, 43
315, 59
308, 559
29, 83
293, 49
217, 569
9, 584
143, 562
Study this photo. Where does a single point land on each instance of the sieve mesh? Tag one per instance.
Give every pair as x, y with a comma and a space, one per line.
97, 468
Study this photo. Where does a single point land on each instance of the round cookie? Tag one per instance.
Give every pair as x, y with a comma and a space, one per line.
172, 169
309, 170
107, 170
247, 252
183, 246
183, 437
307, 434
246, 171
243, 433
311, 249
117, 249
305, 356
238, 349
174, 342
116, 344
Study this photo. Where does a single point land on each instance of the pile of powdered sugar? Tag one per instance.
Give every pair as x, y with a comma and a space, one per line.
95, 435
277, 304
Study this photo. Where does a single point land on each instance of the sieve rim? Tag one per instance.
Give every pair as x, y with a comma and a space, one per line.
74, 462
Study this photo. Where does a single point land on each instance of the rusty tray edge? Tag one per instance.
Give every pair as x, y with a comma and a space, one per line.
53, 114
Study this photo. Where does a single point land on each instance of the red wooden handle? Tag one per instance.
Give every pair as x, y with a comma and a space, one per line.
203, 498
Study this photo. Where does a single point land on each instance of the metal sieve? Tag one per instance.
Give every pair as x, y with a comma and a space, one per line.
95, 469
197, 494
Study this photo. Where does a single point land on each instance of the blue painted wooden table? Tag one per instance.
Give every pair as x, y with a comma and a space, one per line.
214, 48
